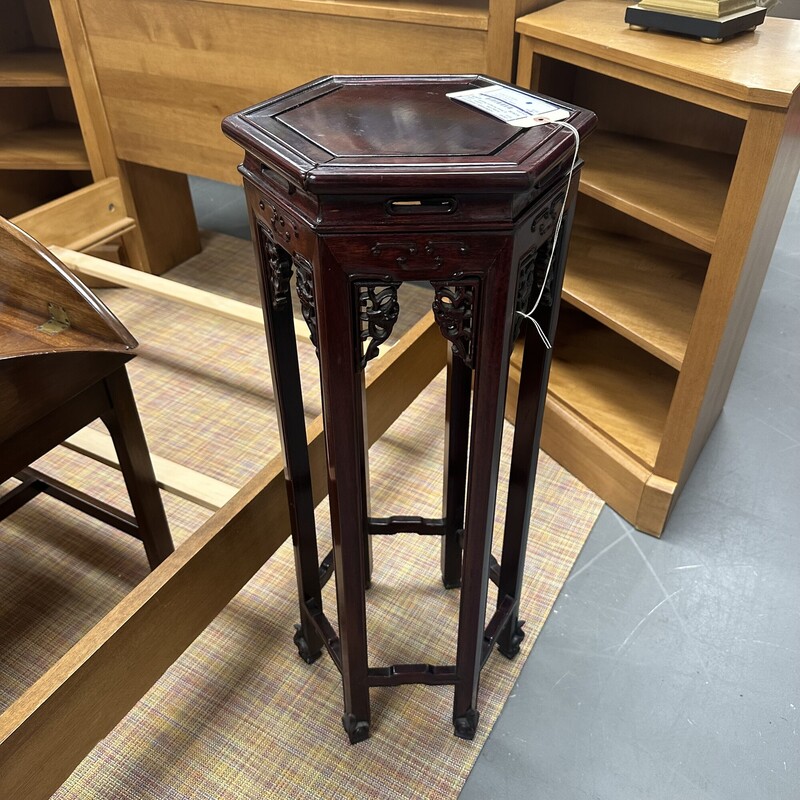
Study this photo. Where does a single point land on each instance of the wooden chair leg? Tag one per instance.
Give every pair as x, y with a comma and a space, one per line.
122, 421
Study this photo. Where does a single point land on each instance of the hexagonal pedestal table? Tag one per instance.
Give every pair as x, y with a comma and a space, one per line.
357, 184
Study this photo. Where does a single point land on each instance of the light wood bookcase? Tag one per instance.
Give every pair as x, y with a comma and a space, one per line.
684, 189
42, 154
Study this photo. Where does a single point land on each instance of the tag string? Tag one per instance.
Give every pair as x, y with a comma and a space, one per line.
529, 315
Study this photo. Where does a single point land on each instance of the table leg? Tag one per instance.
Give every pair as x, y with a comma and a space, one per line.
459, 387
531, 401
274, 274
491, 375
522, 478
343, 397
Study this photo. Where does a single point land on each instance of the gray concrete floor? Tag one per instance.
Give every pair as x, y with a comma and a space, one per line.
669, 668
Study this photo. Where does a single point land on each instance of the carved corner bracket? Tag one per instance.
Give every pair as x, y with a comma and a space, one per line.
305, 292
278, 265
533, 279
453, 307
377, 311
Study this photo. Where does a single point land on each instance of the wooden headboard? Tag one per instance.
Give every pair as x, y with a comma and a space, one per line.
153, 79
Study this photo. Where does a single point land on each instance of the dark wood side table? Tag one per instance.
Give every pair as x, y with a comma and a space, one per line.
358, 184
62, 365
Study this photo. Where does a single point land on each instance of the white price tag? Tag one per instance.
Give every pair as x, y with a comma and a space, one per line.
511, 105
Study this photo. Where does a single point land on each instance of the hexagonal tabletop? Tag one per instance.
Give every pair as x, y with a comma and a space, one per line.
372, 134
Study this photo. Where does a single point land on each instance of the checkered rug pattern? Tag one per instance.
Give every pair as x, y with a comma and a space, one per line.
239, 715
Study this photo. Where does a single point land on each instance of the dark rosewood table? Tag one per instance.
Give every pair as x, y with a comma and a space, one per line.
358, 184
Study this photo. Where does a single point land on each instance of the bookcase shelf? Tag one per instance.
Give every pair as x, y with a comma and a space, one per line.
42, 155
647, 179
682, 195
41, 67
614, 385
620, 281
53, 146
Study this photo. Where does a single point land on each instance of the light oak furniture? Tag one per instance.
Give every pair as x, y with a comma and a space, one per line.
155, 77
42, 154
357, 184
684, 190
62, 365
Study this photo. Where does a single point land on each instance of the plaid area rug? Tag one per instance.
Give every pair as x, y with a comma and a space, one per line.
239, 715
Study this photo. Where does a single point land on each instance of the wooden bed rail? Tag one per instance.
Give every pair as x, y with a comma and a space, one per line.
191, 485
82, 219
87, 266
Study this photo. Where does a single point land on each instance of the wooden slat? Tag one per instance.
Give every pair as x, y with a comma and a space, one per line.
81, 219
33, 68
46, 733
103, 235
49, 146
171, 477
89, 266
